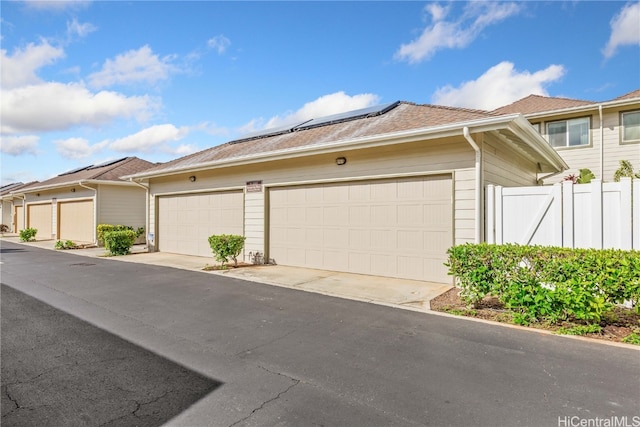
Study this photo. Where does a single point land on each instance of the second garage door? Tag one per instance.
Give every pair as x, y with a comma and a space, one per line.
185, 222
75, 221
39, 217
396, 227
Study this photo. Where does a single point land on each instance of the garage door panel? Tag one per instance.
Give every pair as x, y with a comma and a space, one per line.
75, 221
397, 227
186, 221
40, 217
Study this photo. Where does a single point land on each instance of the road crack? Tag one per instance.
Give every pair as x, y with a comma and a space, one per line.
278, 396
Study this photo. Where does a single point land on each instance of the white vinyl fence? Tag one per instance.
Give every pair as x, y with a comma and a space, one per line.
596, 215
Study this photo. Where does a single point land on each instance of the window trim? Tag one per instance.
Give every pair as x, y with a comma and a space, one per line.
570, 147
621, 127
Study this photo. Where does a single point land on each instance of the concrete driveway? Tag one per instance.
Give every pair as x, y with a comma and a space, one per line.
400, 293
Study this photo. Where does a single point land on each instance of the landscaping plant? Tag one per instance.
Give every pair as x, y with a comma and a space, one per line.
28, 234
546, 283
119, 242
225, 246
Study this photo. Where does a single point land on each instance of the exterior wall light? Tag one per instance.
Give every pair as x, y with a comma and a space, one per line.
37, 194
73, 190
192, 178
341, 161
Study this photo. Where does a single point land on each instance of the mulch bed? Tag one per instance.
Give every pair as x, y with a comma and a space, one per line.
615, 327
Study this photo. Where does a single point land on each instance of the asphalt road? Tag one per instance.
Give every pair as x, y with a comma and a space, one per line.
277, 356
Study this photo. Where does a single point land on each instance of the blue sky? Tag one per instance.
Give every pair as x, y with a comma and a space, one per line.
83, 82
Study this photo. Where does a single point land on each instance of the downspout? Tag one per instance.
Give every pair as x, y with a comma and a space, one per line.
478, 214
601, 143
146, 207
95, 210
24, 213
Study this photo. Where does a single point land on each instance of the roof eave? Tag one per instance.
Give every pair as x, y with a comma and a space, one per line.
443, 131
620, 103
71, 184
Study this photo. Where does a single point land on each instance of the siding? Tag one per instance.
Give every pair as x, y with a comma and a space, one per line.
589, 156
123, 205
505, 167
427, 157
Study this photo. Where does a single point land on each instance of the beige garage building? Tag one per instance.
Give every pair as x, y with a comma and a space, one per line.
383, 191
72, 204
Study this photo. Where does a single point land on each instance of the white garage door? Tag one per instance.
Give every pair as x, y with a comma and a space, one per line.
75, 221
397, 228
40, 218
185, 222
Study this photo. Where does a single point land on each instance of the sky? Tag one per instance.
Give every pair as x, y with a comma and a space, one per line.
84, 82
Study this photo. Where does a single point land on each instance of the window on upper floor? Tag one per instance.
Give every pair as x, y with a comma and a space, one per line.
536, 126
631, 126
569, 133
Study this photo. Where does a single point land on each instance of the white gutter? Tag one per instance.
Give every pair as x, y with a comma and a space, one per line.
95, 210
478, 213
146, 211
601, 143
70, 184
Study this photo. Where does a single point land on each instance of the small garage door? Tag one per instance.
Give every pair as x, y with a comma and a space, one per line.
18, 219
397, 228
75, 221
185, 222
40, 217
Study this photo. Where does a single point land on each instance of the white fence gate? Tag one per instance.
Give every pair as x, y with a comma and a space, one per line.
596, 215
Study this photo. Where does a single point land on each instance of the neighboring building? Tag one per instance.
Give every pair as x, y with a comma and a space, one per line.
11, 206
586, 134
380, 191
72, 204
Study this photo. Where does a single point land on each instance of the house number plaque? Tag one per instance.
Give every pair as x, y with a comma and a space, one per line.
254, 186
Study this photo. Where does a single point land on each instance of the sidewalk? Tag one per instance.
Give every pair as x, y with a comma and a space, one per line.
407, 294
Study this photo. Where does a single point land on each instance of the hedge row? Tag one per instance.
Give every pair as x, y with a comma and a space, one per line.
547, 283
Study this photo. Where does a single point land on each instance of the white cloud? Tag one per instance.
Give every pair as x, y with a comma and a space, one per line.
149, 139
20, 68
56, 5
77, 148
334, 103
74, 28
498, 86
134, 66
58, 106
441, 34
19, 145
625, 29
219, 43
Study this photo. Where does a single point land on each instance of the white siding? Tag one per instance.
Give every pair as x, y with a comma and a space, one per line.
6, 213
589, 156
122, 205
254, 222
421, 158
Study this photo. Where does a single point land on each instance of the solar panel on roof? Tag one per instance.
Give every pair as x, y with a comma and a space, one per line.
107, 163
349, 115
268, 132
75, 170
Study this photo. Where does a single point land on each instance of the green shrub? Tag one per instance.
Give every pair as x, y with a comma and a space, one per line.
28, 234
67, 244
546, 283
104, 228
119, 242
225, 246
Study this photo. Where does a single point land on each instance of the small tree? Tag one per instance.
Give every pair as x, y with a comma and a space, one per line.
225, 246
